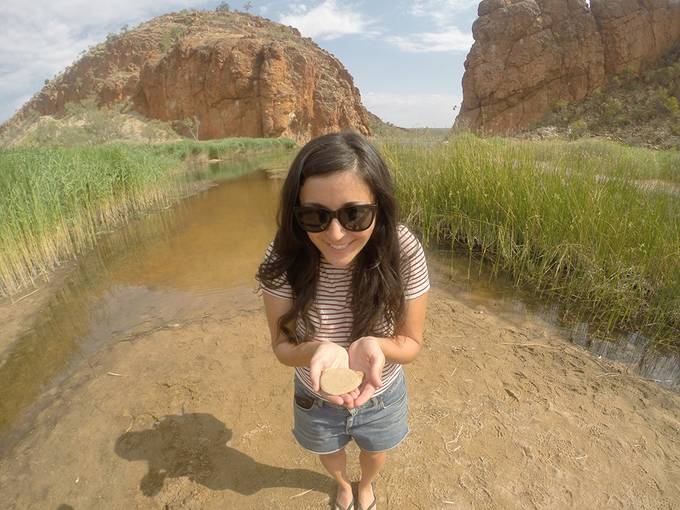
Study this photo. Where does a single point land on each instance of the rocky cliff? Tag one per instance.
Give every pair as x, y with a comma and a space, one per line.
224, 73
530, 54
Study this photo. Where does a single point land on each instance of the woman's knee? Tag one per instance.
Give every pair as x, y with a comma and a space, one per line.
332, 455
373, 455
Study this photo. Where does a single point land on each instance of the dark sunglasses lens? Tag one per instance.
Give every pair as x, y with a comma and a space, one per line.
356, 217
312, 219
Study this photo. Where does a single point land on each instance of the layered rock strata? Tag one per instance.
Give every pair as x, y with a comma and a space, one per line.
530, 54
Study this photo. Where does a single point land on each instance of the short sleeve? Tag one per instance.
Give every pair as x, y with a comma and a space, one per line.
281, 287
414, 265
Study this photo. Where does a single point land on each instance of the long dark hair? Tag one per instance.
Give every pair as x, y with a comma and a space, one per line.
377, 287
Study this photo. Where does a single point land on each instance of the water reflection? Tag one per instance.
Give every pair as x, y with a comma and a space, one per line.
634, 350
216, 243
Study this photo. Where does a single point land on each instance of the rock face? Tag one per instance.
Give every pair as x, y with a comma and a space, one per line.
227, 73
529, 54
636, 33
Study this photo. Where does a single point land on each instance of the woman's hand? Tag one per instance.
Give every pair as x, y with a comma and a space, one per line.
366, 356
330, 355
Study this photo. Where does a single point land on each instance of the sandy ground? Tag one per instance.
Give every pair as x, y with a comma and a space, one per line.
197, 415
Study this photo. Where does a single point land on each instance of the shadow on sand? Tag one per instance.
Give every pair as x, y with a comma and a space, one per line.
194, 445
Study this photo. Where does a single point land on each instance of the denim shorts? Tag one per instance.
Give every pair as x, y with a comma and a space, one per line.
378, 425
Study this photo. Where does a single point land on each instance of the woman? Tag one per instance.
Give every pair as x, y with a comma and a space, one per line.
345, 286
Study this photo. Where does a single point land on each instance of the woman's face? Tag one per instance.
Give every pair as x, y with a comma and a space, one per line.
337, 245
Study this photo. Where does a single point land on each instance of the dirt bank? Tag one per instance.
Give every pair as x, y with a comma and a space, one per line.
197, 415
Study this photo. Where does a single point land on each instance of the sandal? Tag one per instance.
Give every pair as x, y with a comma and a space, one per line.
338, 506
372, 505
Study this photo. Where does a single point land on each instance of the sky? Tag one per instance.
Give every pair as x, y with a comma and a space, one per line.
406, 57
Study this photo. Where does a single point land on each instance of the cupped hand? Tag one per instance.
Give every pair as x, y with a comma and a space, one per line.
366, 356
330, 355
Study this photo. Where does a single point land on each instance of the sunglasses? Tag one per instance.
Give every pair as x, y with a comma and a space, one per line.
313, 218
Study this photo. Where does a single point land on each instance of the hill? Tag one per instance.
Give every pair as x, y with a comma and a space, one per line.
216, 74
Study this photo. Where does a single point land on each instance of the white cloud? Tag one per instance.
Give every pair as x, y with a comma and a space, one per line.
447, 37
39, 39
442, 12
32, 54
327, 20
413, 110
298, 8
450, 39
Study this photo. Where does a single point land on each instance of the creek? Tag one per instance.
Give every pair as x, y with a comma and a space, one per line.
194, 259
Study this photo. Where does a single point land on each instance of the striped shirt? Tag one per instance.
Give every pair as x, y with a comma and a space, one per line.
331, 312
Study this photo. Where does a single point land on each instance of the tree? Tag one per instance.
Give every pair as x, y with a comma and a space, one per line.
192, 125
247, 6
223, 7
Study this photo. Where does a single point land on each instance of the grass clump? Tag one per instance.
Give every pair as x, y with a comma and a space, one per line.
567, 220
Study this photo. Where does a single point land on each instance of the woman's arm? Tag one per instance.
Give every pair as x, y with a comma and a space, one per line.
314, 354
288, 353
369, 354
408, 340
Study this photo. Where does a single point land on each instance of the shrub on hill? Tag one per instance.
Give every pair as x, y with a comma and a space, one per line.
85, 123
635, 109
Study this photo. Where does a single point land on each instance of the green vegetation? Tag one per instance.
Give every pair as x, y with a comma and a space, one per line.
171, 37
567, 220
86, 123
55, 201
637, 110
225, 147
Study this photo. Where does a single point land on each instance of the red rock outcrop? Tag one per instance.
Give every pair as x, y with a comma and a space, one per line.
235, 74
636, 33
529, 54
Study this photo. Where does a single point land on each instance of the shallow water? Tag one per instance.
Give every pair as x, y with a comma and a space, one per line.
200, 257
168, 266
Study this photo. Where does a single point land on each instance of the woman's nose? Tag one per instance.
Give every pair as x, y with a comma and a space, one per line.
335, 231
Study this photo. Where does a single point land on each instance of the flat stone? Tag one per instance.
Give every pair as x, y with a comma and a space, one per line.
338, 381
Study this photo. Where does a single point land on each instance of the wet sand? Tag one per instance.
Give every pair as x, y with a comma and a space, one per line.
197, 414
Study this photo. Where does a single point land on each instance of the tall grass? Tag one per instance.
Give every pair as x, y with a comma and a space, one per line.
225, 147
612, 159
55, 201
575, 227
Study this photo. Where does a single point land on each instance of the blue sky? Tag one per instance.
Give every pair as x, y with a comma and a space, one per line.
406, 57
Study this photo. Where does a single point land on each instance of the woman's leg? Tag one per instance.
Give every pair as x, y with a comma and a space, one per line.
336, 465
371, 464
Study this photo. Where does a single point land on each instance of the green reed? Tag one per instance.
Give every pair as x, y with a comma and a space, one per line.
568, 220
54, 202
